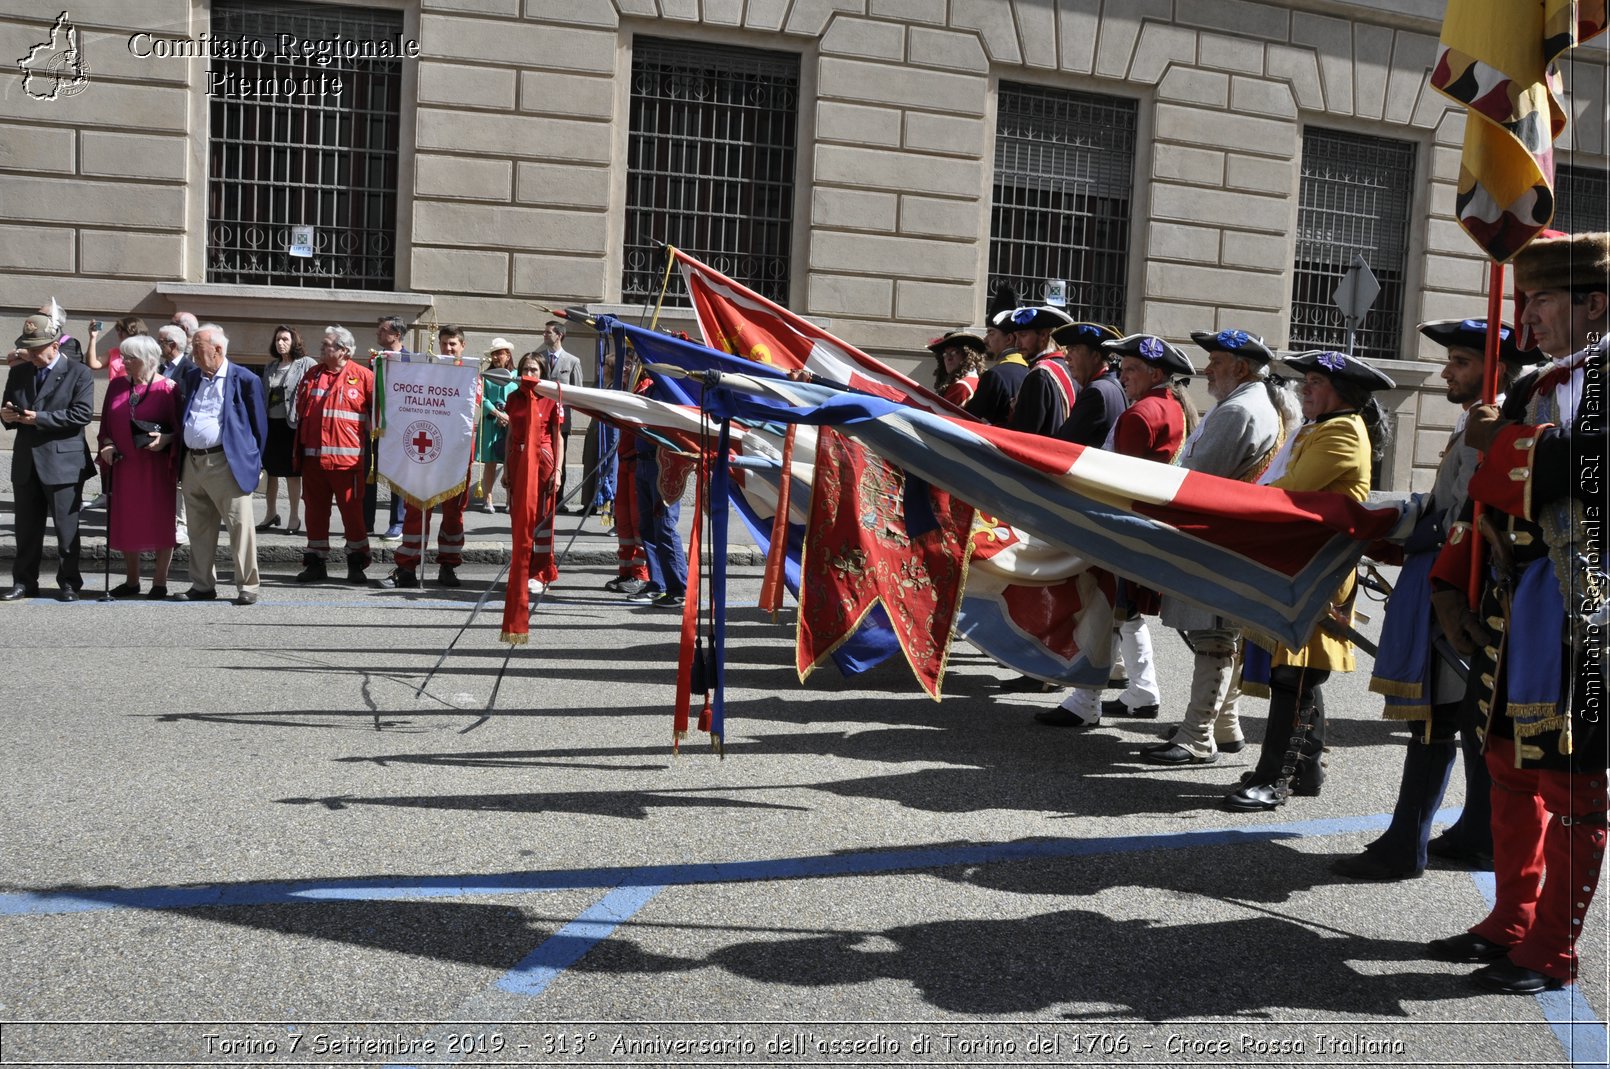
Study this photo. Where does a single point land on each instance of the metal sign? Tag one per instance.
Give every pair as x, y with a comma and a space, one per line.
1055, 292
301, 241
1354, 295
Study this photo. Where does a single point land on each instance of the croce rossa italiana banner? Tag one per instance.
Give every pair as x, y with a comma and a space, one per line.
429, 409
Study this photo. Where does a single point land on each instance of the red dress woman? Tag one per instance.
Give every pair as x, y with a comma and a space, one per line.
534, 458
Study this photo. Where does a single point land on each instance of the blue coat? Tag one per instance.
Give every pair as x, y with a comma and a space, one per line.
244, 421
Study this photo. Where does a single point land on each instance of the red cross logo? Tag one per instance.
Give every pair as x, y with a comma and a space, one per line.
423, 442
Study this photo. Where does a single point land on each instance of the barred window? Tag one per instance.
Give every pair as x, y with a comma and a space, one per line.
286, 150
1064, 176
1581, 200
710, 164
1354, 201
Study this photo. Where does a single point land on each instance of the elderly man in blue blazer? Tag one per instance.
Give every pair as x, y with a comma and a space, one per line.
48, 401
225, 426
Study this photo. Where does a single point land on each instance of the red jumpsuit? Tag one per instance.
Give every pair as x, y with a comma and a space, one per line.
333, 406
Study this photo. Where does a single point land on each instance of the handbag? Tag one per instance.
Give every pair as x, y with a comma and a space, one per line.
145, 431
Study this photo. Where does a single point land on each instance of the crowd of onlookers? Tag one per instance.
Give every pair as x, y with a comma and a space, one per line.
186, 437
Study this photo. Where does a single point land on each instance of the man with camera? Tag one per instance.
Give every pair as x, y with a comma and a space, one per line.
48, 401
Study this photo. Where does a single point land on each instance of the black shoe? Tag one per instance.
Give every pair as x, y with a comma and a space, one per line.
270, 523
66, 593
199, 595
124, 590
157, 593
1115, 707
632, 586
401, 579
1367, 866
314, 573
1466, 948
244, 598
614, 585
18, 592
668, 601
1305, 784
1232, 747
1254, 798
1442, 846
1507, 978
448, 576
1174, 754
355, 576
1061, 718
1024, 685
646, 595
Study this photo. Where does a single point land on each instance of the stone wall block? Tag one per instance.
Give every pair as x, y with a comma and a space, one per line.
559, 276
520, 44
565, 139
1217, 129
898, 171
581, 12
460, 270
854, 209
1241, 211
560, 185
679, 10
1120, 28
947, 50
811, 17
131, 253
1177, 241
856, 124
891, 257
1195, 166
1212, 284
50, 149
724, 12
1324, 34
1413, 55
575, 95
473, 87
1299, 68
907, 87
1585, 106
865, 37
850, 295
1266, 252
953, 136
1078, 24
1037, 30
1234, 54
463, 178
940, 218
1256, 96
942, 304
767, 15
45, 249
123, 108
1268, 21
1189, 85
1372, 62
1171, 49
994, 23
504, 227
933, 12
89, 203
1261, 175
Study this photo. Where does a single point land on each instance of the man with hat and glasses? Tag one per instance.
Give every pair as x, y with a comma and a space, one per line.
48, 401
1236, 440
1537, 645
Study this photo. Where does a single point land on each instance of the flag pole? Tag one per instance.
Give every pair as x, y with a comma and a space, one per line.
1489, 395
665, 285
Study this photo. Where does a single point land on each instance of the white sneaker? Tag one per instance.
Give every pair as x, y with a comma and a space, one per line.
182, 535
98, 503
535, 587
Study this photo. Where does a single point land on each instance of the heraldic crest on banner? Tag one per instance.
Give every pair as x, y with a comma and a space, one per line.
430, 413
859, 551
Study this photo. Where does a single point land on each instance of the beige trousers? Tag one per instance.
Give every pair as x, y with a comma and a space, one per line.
211, 494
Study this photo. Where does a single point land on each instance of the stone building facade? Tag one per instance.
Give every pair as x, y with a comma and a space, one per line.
512, 176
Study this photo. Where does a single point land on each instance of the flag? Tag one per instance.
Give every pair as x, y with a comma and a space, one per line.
430, 413
735, 319
1268, 558
1497, 58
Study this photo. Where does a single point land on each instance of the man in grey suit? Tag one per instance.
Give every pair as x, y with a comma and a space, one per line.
48, 401
1236, 440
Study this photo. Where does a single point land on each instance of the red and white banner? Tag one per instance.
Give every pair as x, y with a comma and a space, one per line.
430, 413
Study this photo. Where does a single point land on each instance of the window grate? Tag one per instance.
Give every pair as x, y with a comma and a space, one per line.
1354, 200
1581, 200
1064, 175
305, 158
710, 165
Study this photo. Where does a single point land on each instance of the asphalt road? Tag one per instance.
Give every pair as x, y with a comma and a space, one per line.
212, 855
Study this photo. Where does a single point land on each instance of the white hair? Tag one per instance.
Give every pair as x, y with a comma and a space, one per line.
169, 332
187, 322
343, 337
141, 348
219, 339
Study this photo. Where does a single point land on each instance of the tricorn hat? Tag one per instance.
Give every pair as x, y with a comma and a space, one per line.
1341, 366
1085, 333
1236, 343
1472, 334
1153, 350
37, 332
965, 338
1035, 317
1576, 262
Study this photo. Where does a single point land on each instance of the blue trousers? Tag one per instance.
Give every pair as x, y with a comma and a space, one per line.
667, 560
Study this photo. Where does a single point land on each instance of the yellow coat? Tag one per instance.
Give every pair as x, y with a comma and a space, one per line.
1330, 454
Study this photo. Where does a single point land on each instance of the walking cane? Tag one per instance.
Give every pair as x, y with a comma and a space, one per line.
106, 550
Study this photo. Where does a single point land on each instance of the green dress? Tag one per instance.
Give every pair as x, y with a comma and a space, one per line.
490, 448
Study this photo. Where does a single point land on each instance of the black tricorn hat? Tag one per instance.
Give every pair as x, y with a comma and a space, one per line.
1153, 350
964, 337
1341, 366
1085, 333
1236, 343
1472, 334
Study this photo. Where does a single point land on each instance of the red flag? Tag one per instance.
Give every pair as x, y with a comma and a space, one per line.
737, 320
858, 552
533, 422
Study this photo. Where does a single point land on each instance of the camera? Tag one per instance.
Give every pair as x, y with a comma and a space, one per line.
96, 325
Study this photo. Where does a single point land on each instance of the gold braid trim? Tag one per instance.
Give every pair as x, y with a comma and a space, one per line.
1407, 713
1395, 688
514, 638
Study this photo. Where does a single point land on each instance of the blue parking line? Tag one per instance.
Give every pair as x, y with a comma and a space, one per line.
569, 944
86, 900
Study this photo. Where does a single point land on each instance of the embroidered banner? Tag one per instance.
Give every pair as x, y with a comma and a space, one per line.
430, 410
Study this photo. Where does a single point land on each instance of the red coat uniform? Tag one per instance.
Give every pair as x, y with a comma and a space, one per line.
333, 406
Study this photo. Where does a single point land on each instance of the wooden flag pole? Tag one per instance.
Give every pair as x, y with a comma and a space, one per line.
1489, 395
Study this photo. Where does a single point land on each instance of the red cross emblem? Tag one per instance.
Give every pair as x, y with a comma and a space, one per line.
424, 440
